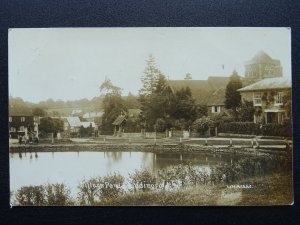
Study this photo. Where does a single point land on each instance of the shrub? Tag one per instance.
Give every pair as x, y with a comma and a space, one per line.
110, 186
277, 130
240, 128
31, 195
88, 191
142, 180
58, 194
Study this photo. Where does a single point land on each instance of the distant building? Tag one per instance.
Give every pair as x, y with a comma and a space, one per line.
95, 117
261, 66
268, 96
210, 92
23, 125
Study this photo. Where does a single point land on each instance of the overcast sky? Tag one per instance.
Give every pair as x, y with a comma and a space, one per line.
71, 63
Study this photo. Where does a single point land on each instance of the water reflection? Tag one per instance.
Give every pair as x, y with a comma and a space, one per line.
71, 167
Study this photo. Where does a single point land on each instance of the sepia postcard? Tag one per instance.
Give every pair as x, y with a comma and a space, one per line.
160, 116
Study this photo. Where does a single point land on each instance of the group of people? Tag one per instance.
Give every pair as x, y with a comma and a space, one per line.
28, 139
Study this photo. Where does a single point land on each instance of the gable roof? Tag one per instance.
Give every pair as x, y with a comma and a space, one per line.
268, 84
201, 89
119, 120
74, 121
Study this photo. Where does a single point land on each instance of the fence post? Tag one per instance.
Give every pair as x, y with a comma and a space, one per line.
230, 142
52, 138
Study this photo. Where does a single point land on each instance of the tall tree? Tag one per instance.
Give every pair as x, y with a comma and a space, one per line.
232, 96
113, 105
150, 77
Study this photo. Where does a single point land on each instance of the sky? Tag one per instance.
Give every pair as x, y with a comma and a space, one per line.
71, 63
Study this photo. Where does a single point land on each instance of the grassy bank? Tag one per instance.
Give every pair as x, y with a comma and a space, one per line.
270, 190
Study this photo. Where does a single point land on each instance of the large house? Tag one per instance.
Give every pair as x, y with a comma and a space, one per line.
271, 97
23, 125
210, 92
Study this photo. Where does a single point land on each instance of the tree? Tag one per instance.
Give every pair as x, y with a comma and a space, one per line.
184, 109
150, 77
232, 96
246, 111
51, 125
113, 105
39, 112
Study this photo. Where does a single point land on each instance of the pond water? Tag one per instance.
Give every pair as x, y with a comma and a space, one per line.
72, 167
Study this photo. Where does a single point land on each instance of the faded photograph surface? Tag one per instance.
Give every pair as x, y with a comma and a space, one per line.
150, 116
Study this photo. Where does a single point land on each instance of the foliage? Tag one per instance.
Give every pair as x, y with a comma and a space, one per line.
284, 130
271, 129
39, 112
113, 105
30, 195
111, 186
232, 96
17, 106
142, 180
51, 125
50, 194
246, 111
86, 132
58, 194
240, 128
88, 191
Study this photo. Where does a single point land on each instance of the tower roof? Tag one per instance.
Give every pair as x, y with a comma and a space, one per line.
261, 57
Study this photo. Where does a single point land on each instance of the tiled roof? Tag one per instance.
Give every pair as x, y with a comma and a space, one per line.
74, 121
269, 83
201, 89
217, 98
119, 120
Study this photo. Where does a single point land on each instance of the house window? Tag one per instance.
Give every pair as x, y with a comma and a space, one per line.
215, 109
12, 129
10, 119
22, 128
257, 99
22, 119
278, 98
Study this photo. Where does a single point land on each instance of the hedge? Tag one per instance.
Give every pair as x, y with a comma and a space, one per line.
240, 128
256, 129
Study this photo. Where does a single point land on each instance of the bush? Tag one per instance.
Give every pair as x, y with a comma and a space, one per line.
284, 130
50, 194
142, 180
31, 195
88, 191
111, 186
240, 128
58, 194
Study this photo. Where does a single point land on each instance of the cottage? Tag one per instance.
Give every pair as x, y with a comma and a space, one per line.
23, 125
271, 97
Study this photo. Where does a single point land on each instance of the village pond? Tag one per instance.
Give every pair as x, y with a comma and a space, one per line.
70, 168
